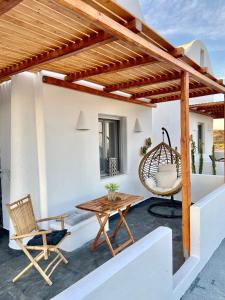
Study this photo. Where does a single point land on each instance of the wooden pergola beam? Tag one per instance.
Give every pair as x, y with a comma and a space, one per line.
142, 82
6, 5
185, 163
111, 68
166, 90
95, 40
127, 35
177, 97
92, 91
73, 48
120, 66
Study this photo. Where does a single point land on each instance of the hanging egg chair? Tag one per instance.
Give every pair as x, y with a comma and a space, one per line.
160, 173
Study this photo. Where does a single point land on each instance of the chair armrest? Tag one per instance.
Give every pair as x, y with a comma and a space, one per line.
57, 218
34, 233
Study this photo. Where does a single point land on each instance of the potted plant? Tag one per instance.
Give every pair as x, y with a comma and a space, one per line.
111, 188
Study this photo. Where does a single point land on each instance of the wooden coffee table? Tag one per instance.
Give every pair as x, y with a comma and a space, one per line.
103, 208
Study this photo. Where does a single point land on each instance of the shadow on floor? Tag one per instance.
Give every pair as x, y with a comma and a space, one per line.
81, 261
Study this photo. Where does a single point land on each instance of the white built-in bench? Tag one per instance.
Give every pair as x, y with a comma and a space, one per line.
82, 225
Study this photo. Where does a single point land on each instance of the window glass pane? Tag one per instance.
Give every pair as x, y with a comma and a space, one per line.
108, 144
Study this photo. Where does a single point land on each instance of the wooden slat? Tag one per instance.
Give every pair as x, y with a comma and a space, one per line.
6, 5
125, 34
185, 163
51, 56
112, 68
104, 206
142, 82
85, 89
177, 97
166, 90
214, 110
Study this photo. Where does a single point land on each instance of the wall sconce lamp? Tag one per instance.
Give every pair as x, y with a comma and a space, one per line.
137, 126
82, 122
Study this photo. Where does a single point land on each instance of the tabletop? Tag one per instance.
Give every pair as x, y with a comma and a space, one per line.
103, 205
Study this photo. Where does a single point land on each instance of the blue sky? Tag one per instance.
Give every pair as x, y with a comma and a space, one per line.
180, 21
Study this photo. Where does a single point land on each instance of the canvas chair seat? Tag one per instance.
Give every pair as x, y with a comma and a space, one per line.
52, 238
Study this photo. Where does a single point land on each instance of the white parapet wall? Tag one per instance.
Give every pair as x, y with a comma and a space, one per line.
207, 232
142, 271
202, 185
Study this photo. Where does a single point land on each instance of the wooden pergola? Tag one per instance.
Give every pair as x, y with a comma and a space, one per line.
100, 42
214, 110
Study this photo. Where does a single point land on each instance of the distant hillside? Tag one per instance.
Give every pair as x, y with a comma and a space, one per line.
218, 139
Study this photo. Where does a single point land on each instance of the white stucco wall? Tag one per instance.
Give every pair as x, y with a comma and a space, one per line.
167, 115
5, 146
142, 271
207, 122
72, 157
24, 153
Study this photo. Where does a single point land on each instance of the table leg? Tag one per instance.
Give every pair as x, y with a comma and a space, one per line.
121, 221
126, 225
102, 229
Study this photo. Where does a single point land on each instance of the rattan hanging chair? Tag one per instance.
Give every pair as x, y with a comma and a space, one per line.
162, 154
161, 157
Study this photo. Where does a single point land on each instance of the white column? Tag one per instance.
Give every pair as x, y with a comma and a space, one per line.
27, 142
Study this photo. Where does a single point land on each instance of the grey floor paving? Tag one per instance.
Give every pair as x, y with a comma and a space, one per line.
81, 261
210, 283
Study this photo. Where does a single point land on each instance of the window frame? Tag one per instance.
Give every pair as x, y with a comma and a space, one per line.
122, 143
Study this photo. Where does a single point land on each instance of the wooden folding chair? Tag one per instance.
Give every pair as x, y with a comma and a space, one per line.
47, 241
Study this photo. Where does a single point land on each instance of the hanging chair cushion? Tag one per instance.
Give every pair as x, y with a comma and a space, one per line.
150, 182
168, 168
165, 179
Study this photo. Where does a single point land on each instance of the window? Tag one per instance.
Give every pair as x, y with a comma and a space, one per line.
109, 146
200, 136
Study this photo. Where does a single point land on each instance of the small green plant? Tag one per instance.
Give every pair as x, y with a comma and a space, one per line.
213, 157
112, 187
193, 151
200, 168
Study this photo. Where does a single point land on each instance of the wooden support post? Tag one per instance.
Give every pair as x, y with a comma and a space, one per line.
185, 163
224, 136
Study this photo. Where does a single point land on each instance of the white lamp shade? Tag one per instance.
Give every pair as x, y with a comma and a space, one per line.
82, 122
137, 126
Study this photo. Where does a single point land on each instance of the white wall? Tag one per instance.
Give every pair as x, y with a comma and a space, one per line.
5, 146
167, 115
72, 157
207, 122
142, 271
207, 232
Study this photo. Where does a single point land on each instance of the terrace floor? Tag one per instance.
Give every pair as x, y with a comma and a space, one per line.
81, 261
209, 284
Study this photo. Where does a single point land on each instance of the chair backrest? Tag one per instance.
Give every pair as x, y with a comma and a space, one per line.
22, 215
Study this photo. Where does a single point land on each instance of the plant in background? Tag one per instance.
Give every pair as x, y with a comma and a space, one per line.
143, 150
112, 188
200, 169
193, 151
213, 158
148, 142
147, 145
